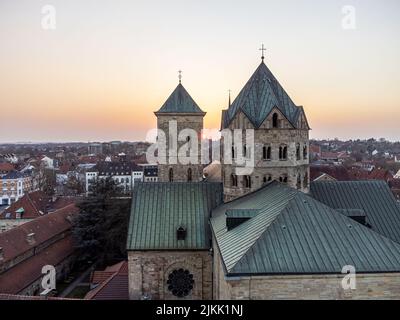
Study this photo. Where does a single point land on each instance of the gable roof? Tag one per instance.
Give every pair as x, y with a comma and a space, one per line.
260, 95
20, 276
6, 167
180, 101
112, 283
373, 197
46, 227
295, 234
160, 208
31, 206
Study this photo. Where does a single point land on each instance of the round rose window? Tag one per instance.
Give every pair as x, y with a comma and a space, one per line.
180, 282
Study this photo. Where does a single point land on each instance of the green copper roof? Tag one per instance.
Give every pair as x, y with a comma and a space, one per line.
295, 234
259, 96
180, 102
373, 197
160, 208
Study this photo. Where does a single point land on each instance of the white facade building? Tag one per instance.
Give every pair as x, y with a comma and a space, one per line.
125, 174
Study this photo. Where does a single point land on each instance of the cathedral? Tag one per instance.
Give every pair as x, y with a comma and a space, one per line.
268, 233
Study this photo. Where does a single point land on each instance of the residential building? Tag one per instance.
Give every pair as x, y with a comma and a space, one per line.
24, 250
125, 174
14, 185
150, 173
31, 206
110, 284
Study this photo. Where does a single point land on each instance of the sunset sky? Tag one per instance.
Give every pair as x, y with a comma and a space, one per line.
109, 64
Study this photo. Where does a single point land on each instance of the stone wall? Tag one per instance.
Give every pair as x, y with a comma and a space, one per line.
302, 287
180, 171
295, 170
149, 270
311, 287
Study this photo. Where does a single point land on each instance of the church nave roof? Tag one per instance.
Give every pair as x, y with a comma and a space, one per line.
296, 234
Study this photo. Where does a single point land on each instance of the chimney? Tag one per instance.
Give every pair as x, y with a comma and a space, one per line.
30, 238
1, 254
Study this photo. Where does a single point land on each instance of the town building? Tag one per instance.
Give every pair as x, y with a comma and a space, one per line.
125, 174
109, 284
24, 250
150, 173
31, 206
14, 185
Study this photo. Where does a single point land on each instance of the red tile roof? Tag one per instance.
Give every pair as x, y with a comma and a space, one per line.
315, 149
13, 242
25, 273
6, 167
112, 283
329, 155
34, 205
380, 174
6, 296
339, 172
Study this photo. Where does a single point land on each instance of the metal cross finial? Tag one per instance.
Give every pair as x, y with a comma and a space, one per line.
180, 76
262, 49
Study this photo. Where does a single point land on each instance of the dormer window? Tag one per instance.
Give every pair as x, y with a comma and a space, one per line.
181, 233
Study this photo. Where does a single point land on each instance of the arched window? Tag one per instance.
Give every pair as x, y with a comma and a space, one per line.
234, 180
265, 180
298, 151
244, 150
171, 175
305, 180
233, 152
283, 179
247, 182
305, 153
275, 120
283, 153
298, 185
189, 175
267, 153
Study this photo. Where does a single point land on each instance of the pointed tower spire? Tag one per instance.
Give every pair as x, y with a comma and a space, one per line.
229, 101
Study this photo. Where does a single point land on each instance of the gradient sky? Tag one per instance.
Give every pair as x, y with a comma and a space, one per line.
109, 64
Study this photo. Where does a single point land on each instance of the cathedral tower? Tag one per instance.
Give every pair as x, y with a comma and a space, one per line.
182, 112
281, 136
